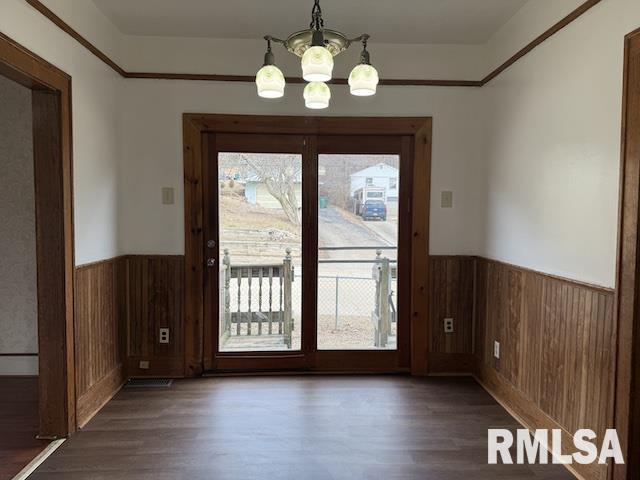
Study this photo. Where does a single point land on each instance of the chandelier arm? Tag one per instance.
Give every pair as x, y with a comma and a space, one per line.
269, 38
360, 38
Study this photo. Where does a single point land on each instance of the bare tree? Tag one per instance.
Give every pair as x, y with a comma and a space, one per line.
279, 173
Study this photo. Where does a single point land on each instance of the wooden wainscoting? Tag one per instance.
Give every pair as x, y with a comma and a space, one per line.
451, 289
557, 349
99, 331
121, 304
153, 286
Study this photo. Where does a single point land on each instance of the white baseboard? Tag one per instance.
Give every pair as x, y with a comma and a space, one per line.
22, 365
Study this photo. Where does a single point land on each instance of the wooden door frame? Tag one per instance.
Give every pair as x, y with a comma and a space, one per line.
247, 143
52, 152
195, 128
627, 390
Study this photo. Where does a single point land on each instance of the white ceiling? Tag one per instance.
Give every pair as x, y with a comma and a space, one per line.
387, 21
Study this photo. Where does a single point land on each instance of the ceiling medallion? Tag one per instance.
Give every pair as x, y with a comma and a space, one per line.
317, 46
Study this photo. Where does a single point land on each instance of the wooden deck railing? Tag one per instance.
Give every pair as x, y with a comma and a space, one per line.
381, 317
263, 299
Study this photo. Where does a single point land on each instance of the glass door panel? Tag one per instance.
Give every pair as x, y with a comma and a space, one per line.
260, 252
358, 198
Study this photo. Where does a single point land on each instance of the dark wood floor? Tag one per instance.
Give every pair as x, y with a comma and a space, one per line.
306, 428
18, 424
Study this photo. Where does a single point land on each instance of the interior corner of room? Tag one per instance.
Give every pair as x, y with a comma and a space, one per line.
429, 232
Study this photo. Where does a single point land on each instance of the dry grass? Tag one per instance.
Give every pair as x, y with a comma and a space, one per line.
238, 214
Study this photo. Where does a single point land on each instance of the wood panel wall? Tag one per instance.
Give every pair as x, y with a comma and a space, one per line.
557, 349
121, 304
153, 286
99, 331
451, 290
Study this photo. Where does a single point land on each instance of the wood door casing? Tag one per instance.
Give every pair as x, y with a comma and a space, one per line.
417, 143
52, 156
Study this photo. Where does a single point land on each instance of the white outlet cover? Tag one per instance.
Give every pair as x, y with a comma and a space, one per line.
144, 364
496, 349
164, 335
448, 325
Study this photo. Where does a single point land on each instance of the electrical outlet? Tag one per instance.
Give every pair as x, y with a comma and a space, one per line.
496, 349
448, 325
144, 365
164, 335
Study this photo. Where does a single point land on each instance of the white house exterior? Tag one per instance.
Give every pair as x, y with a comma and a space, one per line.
380, 175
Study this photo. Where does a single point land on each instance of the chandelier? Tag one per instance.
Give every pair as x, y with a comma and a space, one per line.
317, 46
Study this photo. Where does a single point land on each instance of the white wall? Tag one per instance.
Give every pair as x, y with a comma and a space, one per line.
532, 157
18, 281
95, 131
151, 111
552, 145
151, 132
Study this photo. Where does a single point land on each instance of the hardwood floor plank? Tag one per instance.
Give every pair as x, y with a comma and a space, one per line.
18, 424
324, 427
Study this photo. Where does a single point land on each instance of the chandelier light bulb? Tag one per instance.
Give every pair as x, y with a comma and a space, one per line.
270, 82
317, 64
317, 95
363, 80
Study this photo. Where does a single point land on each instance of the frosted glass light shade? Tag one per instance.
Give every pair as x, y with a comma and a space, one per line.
317, 95
270, 82
363, 80
317, 64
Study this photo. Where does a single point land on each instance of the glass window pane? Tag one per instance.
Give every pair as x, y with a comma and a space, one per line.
357, 240
260, 207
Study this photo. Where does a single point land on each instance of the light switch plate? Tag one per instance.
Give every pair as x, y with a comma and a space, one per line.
448, 325
446, 199
167, 196
164, 335
496, 349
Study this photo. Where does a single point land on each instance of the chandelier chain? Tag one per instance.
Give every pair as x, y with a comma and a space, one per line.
316, 16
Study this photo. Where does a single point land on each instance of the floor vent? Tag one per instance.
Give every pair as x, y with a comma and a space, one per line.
149, 383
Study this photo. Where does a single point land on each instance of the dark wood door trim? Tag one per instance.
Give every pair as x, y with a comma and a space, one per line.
417, 143
52, 153
627, 404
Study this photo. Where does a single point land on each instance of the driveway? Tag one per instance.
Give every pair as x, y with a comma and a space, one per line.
338, 228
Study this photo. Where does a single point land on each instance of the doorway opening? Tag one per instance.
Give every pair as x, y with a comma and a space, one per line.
43, 237
311, 247
18, 283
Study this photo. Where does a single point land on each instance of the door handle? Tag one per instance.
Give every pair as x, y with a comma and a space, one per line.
211, 262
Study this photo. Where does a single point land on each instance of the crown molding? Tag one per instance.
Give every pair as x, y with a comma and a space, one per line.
575, 14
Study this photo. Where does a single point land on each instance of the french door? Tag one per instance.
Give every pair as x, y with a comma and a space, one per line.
308, 252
